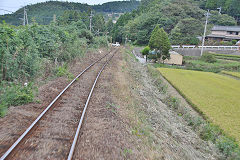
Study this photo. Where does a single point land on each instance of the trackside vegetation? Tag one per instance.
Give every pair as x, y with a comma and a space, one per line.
28, 52
215, 96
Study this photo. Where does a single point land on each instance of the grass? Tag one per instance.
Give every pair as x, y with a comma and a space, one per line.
197, 64
215, 96
227, 57
234, 74
207, 131
15, 94
216, 67
63, 71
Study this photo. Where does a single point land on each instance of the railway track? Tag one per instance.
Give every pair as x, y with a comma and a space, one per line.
55, 132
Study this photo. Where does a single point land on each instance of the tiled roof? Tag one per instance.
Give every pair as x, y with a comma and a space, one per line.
226, 28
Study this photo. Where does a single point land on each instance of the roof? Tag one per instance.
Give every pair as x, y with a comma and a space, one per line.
226, 28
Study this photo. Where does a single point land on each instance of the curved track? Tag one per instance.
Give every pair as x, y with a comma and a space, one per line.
34, 130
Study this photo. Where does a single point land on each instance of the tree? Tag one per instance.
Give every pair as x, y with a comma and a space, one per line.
211, 4
234, 9
98, 23
154, 42
165, 45
109, 25
186, 31
222, 19
146, 51
160, 43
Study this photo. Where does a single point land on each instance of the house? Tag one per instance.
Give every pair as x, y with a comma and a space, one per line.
175, 58
224, 33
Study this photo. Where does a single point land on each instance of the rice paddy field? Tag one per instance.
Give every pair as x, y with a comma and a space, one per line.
216, 96
234, 74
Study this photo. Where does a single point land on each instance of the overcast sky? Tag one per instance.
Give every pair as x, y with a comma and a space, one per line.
13, 5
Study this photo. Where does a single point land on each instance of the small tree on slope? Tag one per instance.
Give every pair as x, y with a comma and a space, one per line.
160, 42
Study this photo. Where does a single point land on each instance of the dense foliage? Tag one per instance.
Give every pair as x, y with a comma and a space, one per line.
43, 12
117, 6
30, 51
230, 7
160, 43
183, 20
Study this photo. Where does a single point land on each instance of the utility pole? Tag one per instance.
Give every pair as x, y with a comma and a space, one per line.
25, 18
90, 25
205, 29
54, 18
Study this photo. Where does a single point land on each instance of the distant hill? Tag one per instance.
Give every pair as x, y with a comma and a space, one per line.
43, 12
117, 6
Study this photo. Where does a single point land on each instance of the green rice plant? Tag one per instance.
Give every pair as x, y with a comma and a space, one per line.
215, 96
234, 74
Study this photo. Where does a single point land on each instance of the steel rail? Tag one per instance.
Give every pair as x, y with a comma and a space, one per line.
45, 110
70, 155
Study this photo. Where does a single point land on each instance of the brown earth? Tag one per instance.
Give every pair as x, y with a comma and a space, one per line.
126, 119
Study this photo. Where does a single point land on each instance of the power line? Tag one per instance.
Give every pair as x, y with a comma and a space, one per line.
6, 10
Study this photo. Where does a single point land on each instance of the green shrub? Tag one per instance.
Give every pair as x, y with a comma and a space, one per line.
3, 109
14, 95
63, 71
209, 58
146, 50
172, 102
100, 42
226, 145
234, 42
210, 132
194, 41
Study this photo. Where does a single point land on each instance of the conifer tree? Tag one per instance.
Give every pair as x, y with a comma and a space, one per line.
160, 43
165, 45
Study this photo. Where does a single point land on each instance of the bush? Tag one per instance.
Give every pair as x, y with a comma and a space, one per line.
146, 50
209, 58
63, 71
210, 132
14, 94
234, 42
100, 42
227, 145
194, 41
